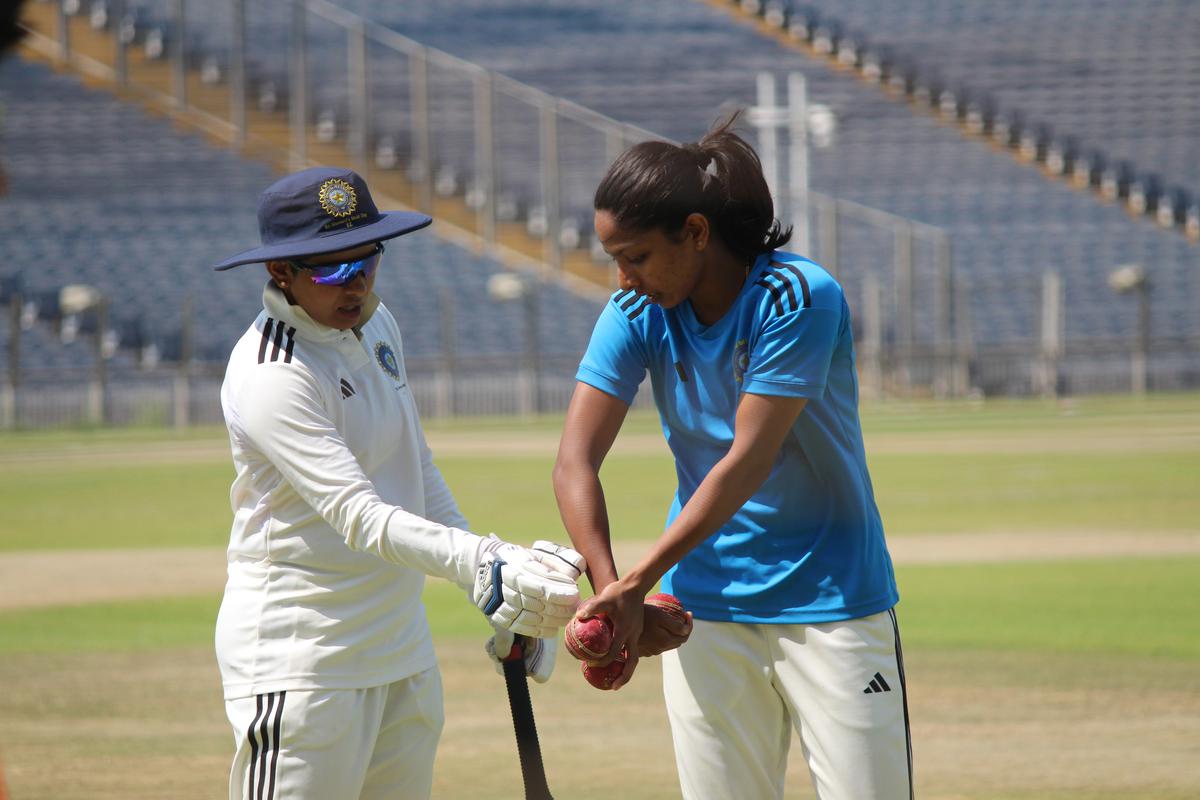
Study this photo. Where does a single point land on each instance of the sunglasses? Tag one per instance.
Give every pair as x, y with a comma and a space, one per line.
343, 273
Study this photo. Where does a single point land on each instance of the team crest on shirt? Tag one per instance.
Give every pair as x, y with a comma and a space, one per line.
386, 357
337, 198
741, 360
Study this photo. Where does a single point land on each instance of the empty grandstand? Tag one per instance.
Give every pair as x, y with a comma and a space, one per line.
102, 195
969, 269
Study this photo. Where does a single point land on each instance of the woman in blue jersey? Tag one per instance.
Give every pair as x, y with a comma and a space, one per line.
773, 540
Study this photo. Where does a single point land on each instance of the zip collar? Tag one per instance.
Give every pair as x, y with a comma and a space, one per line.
276, 304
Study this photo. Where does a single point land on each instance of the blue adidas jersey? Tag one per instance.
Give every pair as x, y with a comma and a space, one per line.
809, 545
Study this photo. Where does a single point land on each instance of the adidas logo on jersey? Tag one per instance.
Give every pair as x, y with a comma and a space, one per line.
278, 340
347, 389
878, 684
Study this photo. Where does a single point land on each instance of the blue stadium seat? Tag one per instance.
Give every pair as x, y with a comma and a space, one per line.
105, 195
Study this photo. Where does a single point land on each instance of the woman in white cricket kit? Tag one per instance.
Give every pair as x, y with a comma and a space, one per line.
773, 540
328, 668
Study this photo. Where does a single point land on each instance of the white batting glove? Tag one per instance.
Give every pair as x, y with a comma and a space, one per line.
539, 654
530, 591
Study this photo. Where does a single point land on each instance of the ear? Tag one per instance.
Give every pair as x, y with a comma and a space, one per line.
696, 227
281, 273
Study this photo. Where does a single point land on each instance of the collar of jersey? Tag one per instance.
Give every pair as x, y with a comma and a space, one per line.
277, 305
687, 315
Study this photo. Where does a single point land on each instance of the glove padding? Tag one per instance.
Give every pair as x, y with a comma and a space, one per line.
530, 591
539, 654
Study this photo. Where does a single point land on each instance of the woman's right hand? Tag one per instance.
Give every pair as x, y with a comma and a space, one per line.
662, 631
623, 605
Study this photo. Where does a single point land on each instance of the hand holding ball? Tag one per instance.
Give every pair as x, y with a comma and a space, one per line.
668, 603
589, 639
603, 677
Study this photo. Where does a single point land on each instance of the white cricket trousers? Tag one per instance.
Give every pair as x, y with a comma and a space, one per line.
338, 744
735, 691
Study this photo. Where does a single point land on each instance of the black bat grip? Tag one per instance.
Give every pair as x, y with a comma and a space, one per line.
533, 772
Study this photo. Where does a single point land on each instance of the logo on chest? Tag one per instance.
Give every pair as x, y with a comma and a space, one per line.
741, 360
386, 357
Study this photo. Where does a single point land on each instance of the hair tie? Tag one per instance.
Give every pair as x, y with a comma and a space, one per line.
708, 173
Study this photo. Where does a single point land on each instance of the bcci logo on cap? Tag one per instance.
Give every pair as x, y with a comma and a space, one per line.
337, 198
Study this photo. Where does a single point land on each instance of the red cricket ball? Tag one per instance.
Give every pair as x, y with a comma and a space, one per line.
603, 677
589, 639
668, 603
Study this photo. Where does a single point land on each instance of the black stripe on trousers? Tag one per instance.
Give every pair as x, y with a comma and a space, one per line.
263, 735
903, 699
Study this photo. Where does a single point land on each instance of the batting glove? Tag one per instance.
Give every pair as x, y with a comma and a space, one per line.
539, 654
530, 591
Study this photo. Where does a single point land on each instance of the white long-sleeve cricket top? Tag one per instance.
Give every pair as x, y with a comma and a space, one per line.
338, 509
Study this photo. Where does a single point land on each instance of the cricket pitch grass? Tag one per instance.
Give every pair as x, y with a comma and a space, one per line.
1048, 558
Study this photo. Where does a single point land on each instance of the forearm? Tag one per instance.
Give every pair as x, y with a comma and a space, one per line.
723, 491
762, 423
424, 545
584, 514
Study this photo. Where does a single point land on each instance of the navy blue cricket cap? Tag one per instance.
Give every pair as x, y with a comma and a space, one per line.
321, 210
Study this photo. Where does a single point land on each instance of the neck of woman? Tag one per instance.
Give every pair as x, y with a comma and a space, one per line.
717, 291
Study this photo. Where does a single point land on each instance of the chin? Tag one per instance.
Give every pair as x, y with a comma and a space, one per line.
345, 323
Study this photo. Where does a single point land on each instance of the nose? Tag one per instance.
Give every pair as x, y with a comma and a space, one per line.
356, 285
625, 279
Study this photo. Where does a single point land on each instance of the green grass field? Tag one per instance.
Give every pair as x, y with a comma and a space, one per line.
1074, 677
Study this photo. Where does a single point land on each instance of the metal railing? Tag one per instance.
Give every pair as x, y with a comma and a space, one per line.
519, 166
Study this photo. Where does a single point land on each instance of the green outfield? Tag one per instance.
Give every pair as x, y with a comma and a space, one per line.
1048, 557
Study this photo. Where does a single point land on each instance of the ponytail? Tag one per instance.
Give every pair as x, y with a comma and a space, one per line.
658, 184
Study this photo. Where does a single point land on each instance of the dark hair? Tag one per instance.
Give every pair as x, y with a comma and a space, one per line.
658, 184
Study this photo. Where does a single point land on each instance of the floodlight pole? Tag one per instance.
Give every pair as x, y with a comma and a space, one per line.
120, 56
98, 390
533, 347
1141, 353
237, 72
1132, 278
422, 156
448, 364
356, 47
298, 86
766, 117
179, 55
485, 155
64, 33
1051, 334
790, 194
872, 343
504, 287
798, 144
183, 383
8, 409
551, 182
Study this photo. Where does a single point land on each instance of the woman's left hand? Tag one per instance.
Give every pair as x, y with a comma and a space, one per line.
623, 605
